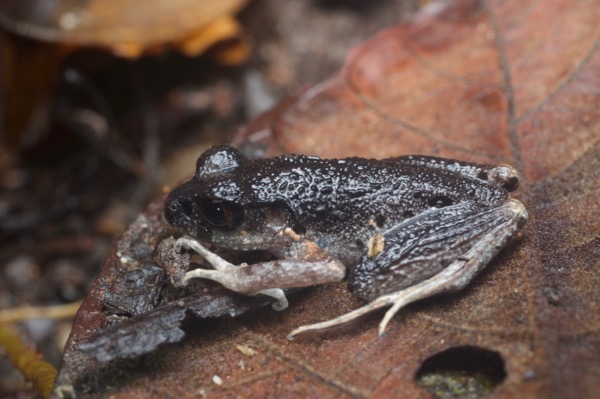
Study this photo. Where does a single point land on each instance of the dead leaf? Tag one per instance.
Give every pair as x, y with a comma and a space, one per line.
512, 82
132, 338
29, 69
125, 26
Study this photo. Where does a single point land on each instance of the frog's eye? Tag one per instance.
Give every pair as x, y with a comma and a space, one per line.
222, 215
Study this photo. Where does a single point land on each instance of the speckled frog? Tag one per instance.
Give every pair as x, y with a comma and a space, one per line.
401, 229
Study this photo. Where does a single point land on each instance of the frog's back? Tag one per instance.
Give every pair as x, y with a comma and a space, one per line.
333, 190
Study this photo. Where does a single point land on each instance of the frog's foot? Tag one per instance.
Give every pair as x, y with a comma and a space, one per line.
226, 274
453, 278
397, 300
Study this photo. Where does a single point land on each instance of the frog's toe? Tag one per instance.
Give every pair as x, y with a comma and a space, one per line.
504, 176
398, 300
343, 319
277, 293
202, 273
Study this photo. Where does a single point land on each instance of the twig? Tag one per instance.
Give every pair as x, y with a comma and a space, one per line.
54, 312
40, 373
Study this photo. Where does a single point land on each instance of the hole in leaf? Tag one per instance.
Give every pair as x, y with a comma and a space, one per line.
463, 371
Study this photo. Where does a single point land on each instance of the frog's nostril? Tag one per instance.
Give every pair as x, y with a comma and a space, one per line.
174, 206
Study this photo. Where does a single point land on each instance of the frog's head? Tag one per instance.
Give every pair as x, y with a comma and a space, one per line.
215, 205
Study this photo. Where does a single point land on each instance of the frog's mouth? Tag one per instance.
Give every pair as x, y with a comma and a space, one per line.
182, 212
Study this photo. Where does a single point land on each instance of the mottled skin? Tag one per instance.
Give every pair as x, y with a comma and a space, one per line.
393, 223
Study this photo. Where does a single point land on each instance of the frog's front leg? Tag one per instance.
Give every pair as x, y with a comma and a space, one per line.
268, 278
436, 252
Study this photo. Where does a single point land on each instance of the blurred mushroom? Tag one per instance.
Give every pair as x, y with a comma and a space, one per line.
127, 28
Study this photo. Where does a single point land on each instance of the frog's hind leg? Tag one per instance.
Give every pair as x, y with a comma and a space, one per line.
453, 277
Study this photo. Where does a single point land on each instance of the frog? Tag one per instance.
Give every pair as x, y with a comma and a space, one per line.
398, 229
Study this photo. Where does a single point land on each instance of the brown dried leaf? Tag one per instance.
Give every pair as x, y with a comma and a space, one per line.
510, 81
28, 71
